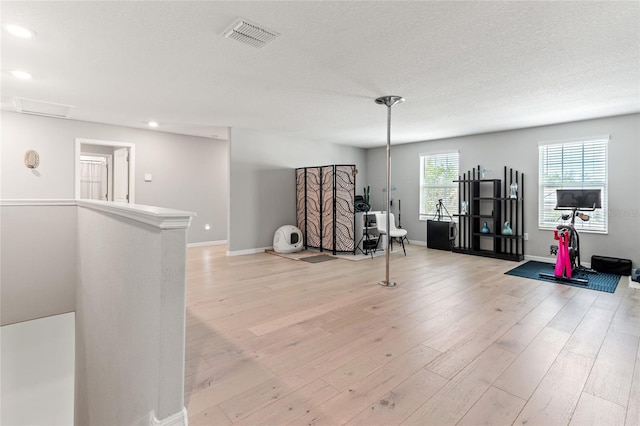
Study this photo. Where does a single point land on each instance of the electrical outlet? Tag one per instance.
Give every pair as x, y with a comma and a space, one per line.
526, 236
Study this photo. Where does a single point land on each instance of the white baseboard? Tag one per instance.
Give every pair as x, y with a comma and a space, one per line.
207, 243
248, 251
418, 243
177, 419
540, 258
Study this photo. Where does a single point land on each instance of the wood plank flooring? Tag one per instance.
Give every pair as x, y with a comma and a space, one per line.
275, 341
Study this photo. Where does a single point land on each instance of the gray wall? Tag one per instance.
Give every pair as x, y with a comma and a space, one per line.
519, 149
189, 173
96, 149
263, 190
38, 261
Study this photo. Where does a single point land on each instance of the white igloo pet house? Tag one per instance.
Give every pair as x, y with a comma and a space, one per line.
287, 239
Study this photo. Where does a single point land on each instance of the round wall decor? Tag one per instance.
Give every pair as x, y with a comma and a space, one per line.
32, 159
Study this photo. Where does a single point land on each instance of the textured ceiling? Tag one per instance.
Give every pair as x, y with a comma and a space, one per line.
463, 67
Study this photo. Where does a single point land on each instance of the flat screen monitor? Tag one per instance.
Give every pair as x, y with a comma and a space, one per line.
578, 198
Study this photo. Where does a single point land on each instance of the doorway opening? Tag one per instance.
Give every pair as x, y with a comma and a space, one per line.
95, 177
105, 170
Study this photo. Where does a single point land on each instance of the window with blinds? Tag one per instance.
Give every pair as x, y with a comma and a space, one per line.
437, 175
572, 165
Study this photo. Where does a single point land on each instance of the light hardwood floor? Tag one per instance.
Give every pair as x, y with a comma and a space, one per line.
274, 341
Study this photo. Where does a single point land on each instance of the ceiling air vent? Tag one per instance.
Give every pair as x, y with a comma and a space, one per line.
48, 109
250, 33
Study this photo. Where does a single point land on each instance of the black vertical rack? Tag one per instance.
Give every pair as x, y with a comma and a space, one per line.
493, 202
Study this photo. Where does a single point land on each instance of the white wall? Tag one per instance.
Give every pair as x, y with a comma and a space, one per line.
38, 248
189, 173
519, 149
122, 268
263, 182
130, 319
37, 363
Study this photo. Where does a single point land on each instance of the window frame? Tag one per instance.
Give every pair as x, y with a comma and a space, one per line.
599, 146
452, 207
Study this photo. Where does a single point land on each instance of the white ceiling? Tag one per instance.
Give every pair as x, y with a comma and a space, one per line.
463, 67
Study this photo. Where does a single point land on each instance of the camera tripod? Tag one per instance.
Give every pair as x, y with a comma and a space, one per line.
440, 210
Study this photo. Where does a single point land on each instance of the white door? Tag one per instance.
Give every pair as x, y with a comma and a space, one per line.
121, 175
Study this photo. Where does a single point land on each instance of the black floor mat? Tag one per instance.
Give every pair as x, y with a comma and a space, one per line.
317, 259
598, 281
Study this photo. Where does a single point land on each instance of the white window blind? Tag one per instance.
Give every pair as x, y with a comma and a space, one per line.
572, 165
437, 175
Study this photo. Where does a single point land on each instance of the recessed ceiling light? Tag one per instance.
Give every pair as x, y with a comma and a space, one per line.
153, 124
22, 75
19, 31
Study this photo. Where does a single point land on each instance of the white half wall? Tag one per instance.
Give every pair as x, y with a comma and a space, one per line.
130, 317
263, 182
122, 268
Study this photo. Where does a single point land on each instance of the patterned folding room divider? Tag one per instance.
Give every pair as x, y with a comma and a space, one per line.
325, 198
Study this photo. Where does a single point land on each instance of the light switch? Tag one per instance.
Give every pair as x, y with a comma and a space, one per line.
148, 177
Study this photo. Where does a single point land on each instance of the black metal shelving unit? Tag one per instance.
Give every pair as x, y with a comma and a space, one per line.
488, 201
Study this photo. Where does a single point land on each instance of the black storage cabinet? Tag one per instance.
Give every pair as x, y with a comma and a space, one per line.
440, 234
611, 265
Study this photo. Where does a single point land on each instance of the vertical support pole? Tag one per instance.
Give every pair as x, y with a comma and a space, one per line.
388, 198
306, 209
521, 207
335, 170
389, 101
321, 208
